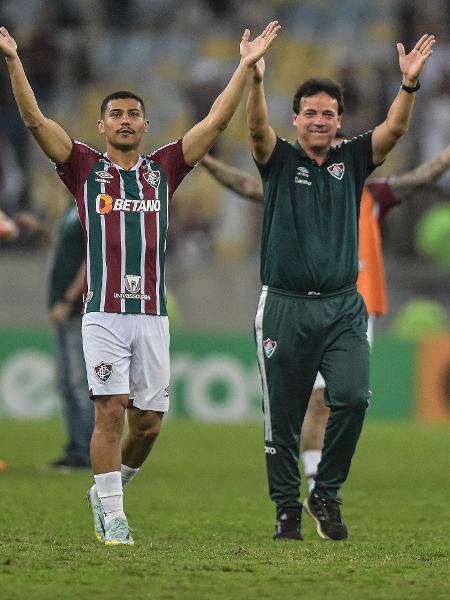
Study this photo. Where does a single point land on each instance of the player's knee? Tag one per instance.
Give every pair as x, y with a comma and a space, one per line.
351, 398
147, 432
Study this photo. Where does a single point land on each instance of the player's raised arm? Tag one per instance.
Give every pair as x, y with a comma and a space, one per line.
386, 135
202, 136
236, 180
52, 138
262, 136
423, 175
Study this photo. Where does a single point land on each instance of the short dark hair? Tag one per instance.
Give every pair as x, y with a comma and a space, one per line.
120, 95
314, 86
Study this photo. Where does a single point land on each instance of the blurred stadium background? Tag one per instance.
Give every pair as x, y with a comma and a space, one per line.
177, 56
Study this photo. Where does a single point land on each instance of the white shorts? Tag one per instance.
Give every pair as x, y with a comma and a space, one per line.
128, 354
319, 383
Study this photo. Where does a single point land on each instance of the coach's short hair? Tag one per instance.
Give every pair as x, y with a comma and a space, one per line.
314, 86
120, 95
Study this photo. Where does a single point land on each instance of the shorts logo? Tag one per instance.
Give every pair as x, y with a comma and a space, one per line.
269, 450
337, 170
166, 392
269, 347
103, 371
153, 178
133, 283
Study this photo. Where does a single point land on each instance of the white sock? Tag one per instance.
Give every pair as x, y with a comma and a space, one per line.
311, 460
127, 473
109, 490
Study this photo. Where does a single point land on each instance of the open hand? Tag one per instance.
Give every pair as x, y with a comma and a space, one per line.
7, 44
252, 51
411, 65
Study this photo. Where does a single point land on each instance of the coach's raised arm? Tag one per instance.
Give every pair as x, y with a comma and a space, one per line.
202, 136
386, 135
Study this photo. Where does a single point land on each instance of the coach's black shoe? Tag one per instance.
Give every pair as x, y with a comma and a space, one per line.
327, 516
69, 464
287, 525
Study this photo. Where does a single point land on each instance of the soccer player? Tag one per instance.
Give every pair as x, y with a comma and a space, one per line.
65, 301
123, 200
379, 196
310, 316
8, 232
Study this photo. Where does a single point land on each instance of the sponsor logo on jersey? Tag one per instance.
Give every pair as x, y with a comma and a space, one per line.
104, 204
132, 287
269, 450
103, 371
133, 283
269, 347
103, 176
302, 181
89, 297
152, 178
337, 170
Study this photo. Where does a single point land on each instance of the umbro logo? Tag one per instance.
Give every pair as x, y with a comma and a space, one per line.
302, 172
103, 176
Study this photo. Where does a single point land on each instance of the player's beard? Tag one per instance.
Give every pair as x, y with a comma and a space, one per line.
124, 147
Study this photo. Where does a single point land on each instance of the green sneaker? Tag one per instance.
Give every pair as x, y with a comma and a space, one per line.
97, 512
117, 532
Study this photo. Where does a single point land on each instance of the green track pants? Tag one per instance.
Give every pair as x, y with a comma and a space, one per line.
296, 336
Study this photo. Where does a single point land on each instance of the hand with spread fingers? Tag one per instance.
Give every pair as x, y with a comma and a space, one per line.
252, 51
411, 65
7, 44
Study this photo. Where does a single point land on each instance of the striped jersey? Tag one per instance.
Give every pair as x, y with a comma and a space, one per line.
125, 219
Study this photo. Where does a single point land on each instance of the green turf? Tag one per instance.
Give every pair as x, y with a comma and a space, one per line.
202, 522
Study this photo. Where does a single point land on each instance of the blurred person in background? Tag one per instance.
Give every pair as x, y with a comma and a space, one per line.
8, 232
311, 317
65, 303
123, 200
378, 197
8, 229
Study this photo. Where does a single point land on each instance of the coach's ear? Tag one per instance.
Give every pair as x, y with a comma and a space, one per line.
101, 126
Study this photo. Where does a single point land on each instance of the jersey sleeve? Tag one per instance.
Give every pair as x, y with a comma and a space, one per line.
275, 159
359, 150
171, 160
383, 195
75, 170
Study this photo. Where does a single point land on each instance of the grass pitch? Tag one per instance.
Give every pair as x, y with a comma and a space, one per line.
202, 522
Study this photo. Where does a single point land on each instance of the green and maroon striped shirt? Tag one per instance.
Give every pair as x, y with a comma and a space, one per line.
125, 219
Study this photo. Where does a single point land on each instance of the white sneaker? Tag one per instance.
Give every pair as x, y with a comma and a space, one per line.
117, 532
97, 512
